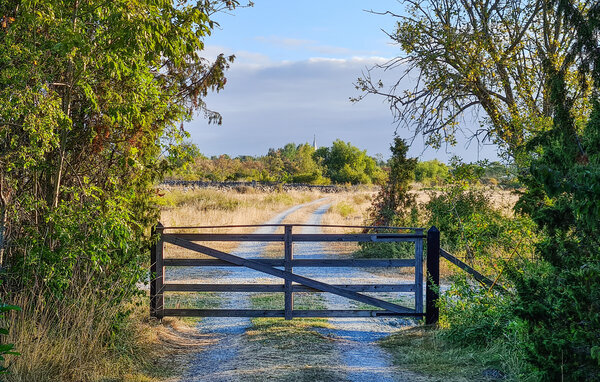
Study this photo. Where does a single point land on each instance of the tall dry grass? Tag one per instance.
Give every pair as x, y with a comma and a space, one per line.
85, 336
70, 338
201, 207
212, 207
82, 337
349, 208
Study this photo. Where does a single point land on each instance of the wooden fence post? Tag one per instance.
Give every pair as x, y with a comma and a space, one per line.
432, 312
288, 254
156, 274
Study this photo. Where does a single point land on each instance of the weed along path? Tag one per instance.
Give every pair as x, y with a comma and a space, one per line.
260, 349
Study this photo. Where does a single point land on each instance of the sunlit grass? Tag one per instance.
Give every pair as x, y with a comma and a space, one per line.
291, 350
422, 350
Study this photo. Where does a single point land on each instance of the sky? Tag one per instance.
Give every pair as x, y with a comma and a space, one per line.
294, 73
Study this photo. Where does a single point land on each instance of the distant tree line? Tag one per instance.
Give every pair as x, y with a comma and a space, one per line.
341, 163
293, 163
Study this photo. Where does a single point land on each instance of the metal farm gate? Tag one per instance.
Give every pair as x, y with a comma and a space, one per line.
283, 268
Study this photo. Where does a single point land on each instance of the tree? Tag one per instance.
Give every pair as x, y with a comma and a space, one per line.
345, 163
559, 298
476, 55
92, 95
432, 171
393, 202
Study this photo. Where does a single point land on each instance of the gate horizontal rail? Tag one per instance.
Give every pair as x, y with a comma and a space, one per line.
293, 283
300, 237
312, 263
281, 288
281, 313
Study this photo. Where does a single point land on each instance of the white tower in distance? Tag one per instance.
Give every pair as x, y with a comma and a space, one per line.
315, 141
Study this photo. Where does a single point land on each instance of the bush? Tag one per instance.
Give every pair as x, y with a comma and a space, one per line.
471, 225
431, 172
386, 250
472, 315
344, 209
449, 210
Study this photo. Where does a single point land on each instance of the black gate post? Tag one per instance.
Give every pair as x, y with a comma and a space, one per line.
432, 312
288, 257
156, 273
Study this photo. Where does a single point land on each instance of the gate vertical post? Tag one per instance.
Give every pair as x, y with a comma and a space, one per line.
156, 274
432, 312
288, 256
419, 272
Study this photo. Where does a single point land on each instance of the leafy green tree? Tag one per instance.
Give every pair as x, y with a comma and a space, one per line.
92, 95
559, 299
345, 163
431, 172
275, 165
475, 55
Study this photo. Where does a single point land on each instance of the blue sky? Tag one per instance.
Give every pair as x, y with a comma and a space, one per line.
293, 77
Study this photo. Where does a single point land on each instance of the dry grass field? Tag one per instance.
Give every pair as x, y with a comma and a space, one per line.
211, 207
245, 205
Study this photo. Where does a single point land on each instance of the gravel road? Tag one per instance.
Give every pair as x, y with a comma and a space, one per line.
360, 357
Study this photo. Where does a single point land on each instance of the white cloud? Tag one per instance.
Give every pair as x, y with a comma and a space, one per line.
267, 104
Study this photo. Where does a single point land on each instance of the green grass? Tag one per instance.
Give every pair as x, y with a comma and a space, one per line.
302, 301
204, 300
344, 209
403, 300
424, 351
289, 350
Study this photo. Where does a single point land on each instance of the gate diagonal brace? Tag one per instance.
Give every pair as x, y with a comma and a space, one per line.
323, 287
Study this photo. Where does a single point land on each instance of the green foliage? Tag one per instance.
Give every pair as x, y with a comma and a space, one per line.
6, 348
473, 315
450, 209
459, 202
291, 163
92, 97
386, 251
542, 105
393, 202
432, 172
474, 227
394, 205
559, 300
491, 63
345, 163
